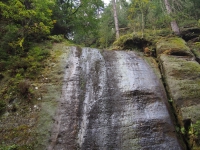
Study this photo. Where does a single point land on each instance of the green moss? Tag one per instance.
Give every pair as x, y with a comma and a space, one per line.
120, 42
195, 47
132, 41
182, 68
196, 52
173, 46
191, 112
51, 93
56, 38
138, 40
182, 79
26, 111
16, 147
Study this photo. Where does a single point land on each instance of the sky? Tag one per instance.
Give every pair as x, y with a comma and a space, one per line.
106, 1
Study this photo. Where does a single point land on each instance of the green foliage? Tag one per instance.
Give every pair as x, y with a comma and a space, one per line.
16, 147
2, 106
38, 53
170, 100
196, 131
106, 34
106, 29
86, 23
78, 20
139, 6
11, 147
173, 45
138, 11
199, 22
8, 37
21, 70
197, 128
183, 130
24, 88
22, 23
28, 66
56, 38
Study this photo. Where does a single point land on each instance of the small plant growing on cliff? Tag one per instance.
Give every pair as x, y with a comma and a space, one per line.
2, 106
170, 100
11, 147
56, 38
24, 88
197, 128
182, 130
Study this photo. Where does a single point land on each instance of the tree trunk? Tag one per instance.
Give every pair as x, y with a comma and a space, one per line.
142, 23
174, 25
116, 19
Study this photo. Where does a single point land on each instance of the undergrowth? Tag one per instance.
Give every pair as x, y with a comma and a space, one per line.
19, 94
19, 72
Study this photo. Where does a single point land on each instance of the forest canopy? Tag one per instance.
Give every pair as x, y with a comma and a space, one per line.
87, 22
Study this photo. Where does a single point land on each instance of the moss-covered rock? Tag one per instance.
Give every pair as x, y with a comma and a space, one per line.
173, 46
191, 33
133, 40
195, 47
182, 78
139, 40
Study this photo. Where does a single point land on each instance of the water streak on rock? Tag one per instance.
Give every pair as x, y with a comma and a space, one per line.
112, 101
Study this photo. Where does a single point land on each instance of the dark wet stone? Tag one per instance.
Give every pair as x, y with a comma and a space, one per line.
115, 102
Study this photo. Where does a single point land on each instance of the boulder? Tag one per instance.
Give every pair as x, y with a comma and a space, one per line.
173, 46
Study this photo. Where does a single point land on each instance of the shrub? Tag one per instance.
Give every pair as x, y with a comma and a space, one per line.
2, 106
197, 127
1, 76
56, 38
24, 88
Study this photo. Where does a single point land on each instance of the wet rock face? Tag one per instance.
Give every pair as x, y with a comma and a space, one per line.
112, 101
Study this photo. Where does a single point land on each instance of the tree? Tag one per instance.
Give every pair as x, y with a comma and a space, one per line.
122, 15
106, 33
23, 22
174, 25
116, 19
78, 20
64, 13
86, 23
138, 11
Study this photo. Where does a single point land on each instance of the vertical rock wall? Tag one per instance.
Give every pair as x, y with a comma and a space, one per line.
111, 100
182, 78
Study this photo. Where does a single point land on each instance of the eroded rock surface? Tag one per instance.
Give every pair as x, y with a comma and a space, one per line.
111, 100
182, 77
